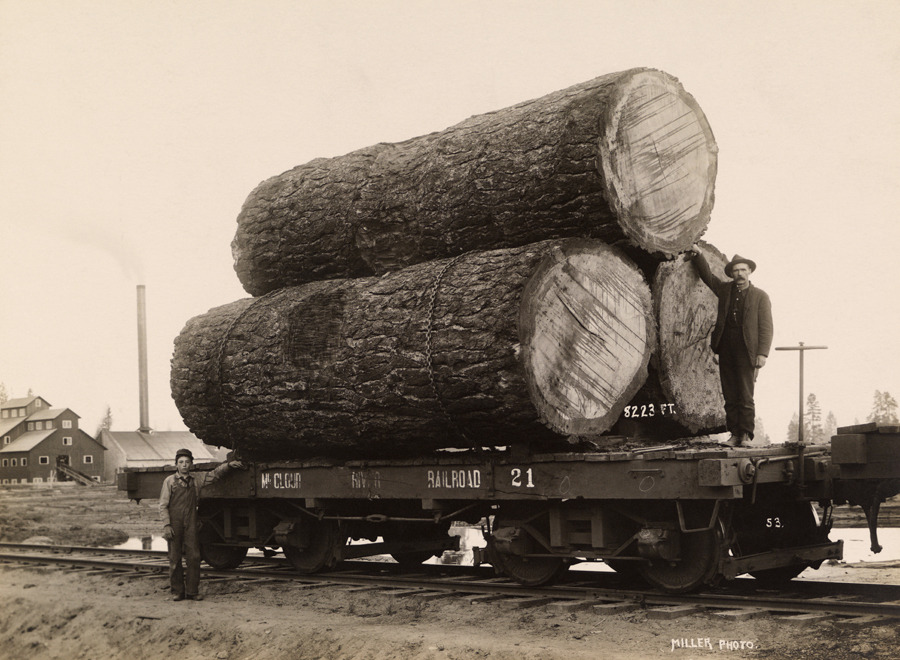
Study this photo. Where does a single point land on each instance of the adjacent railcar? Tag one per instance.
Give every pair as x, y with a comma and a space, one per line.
678, 517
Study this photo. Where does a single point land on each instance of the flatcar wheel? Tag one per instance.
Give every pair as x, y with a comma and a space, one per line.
222, 557
700, 552
531, 571
322, 549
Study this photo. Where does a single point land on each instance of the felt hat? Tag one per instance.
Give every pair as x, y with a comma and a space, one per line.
738, 259
184, 452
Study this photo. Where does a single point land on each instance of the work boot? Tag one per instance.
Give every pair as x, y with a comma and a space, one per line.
178, 597
733, 441
195, 597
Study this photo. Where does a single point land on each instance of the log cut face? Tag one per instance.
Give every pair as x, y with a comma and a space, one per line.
626, 154
686, 312
424, 358
659, 162
587, 332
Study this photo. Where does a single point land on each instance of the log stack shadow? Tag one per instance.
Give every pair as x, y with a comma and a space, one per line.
513, 280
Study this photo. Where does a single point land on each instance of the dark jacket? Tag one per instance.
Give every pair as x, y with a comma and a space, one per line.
757, 326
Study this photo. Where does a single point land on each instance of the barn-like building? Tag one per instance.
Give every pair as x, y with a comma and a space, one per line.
39, 443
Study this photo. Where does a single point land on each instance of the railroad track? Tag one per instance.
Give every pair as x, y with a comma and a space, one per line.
802, 601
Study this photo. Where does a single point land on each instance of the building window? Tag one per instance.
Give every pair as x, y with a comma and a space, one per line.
88, 460
31, 426
67, 441
5, 462
13, 481
13, 462
95, 478
24, 462
38, 480
43, 460
37, 403
5, 414
5, 481
67, 423
6, 440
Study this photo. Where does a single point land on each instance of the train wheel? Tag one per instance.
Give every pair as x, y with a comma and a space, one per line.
413, 558
222, 557
527, 571
322, 549
700, 552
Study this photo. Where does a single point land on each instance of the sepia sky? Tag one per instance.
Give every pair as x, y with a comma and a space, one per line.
131, 133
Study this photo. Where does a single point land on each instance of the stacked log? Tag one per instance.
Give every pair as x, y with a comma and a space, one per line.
462, 289
628, 154
686, 312
533, 344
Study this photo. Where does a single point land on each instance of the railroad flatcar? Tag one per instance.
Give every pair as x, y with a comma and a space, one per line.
679, 517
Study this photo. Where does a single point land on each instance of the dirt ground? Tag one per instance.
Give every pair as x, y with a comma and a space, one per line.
51, 613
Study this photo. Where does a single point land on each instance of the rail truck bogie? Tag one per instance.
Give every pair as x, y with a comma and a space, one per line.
678, 517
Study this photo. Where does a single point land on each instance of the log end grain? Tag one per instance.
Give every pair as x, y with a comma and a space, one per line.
587, 332
686, 314
658, 157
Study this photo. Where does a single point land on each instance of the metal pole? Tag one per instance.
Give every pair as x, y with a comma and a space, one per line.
801, 452
800, 430
802, 348
143, 387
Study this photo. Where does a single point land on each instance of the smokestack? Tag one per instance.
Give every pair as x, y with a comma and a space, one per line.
142, 358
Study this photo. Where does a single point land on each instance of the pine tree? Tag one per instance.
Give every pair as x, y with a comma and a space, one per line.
884, 409
812, 428
4, 395
105, 423
830, 425
793, 431
759, 433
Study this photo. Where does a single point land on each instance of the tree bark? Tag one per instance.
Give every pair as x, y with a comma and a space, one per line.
686, 314
448, 353
627, 154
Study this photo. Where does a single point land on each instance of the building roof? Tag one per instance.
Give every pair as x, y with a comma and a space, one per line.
47, 413
21, 403
7, 425
27, 441
157, 445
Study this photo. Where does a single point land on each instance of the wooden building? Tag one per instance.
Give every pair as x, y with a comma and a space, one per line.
39, 443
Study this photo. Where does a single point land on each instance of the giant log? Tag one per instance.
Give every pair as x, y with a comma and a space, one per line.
686, 314
627, 154
525, 345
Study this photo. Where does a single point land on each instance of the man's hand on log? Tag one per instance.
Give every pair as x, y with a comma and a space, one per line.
236, 465
691, 252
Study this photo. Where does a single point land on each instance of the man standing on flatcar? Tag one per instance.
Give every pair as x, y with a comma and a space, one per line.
178, 502
741, 338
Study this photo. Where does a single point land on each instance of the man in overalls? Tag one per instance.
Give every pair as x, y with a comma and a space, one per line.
178, 509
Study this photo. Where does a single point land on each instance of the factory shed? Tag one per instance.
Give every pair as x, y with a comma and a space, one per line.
151, 449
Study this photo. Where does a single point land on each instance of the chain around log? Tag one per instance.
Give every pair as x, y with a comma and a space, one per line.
432, 295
